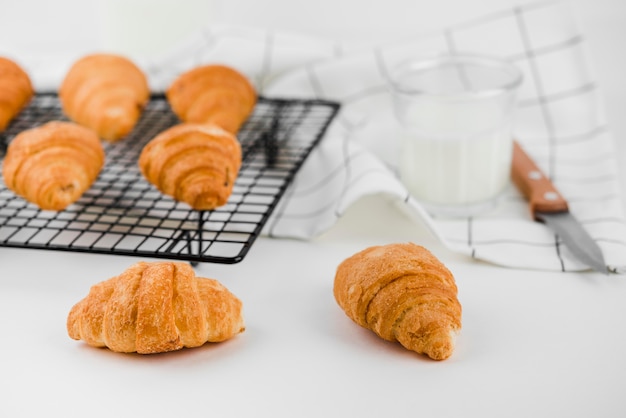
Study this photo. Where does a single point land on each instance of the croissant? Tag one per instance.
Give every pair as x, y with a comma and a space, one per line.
16, 91
212, 94
54, 164
401, 292
195, 164
106, 93
154, 308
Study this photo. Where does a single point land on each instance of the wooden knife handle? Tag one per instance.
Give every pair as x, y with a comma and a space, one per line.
536, 187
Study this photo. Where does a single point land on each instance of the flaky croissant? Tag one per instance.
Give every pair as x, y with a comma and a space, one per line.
16, 91
195, 164
54, 164
154, 308
403, 293
106, 93
212, 94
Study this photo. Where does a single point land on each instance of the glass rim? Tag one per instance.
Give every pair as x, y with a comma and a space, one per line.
424, 63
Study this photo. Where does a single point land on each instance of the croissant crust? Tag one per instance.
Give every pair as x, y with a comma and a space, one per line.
54, 164
106, 93
195, 164
154, 308
16, 91
212, 94
403, 293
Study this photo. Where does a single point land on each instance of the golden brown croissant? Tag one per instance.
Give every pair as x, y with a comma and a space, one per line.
16, 91
212, 94
154, 308
106, 93
403, 293
54, 164
193, 163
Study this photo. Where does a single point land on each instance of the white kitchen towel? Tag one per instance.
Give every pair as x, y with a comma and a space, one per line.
560, 122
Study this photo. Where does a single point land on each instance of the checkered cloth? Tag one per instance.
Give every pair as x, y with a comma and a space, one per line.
560, 123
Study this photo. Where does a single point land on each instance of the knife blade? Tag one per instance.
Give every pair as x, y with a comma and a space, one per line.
547, 205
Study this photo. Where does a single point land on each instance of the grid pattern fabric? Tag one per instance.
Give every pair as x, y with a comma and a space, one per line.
559, 121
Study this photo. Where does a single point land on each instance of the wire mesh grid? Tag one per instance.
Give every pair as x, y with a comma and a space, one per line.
124, 214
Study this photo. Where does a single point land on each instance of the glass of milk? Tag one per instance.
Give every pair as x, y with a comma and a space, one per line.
456, 113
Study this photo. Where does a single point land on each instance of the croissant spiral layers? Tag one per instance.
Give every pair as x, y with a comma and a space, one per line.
16, 91
403, 293
195, 164
154, 308
106, 93
212, 94
54, 164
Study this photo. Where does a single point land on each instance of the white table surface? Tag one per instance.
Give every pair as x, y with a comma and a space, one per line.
533, 343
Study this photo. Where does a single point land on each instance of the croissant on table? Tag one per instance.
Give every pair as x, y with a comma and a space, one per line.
16, 91
156, 307
54, 164
106, 93
403, 293
195, 164
212, 94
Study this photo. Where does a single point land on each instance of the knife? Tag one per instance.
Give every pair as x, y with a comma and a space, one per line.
547, 205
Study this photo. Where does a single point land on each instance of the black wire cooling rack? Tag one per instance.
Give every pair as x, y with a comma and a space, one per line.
124, 214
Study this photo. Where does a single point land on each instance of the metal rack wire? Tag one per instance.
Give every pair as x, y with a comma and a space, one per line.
123, 214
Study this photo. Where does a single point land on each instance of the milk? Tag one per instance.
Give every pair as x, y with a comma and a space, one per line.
456, 114
457, 171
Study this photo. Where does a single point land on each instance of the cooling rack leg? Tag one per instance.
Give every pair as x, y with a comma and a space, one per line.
201, 219
270, 139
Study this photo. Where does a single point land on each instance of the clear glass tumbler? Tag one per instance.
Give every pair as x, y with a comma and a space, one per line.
456, 113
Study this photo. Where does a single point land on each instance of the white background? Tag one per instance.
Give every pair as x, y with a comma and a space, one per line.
533, 344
